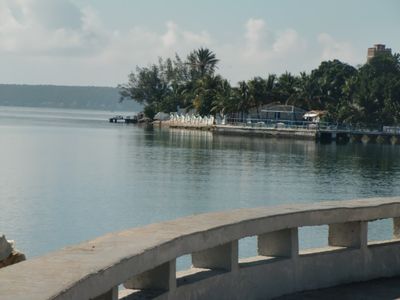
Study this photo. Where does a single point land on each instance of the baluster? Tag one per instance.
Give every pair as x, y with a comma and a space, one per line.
224, 257
350, 234
282, 243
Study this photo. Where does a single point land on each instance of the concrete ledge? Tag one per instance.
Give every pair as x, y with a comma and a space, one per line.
299, 133
93, 269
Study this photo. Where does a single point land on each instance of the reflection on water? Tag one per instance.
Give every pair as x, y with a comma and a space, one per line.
65, 179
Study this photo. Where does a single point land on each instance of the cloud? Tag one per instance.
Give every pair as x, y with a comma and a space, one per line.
333, 49
262, 45
59, 28
48, 27
255, 37
169, 38
289, 41
56, 14
175, 37
53, 35
202, 38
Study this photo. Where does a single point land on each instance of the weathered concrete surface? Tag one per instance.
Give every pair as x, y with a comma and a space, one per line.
378, 289
94, 268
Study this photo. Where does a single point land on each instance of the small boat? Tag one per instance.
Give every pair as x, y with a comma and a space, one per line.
131, 119
117, 119
121, 119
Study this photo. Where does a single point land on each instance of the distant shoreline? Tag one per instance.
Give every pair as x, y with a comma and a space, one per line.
65, 97
67, 108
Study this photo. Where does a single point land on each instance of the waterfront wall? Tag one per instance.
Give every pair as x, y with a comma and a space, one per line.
296, 133
144, 259
325, 135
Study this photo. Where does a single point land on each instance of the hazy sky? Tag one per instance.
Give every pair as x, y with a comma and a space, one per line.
98, 42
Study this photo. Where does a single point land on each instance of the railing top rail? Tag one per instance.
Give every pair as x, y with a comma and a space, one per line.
114, 258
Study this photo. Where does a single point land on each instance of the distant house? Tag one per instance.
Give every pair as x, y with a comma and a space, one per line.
269, 112
314, 115
278, 112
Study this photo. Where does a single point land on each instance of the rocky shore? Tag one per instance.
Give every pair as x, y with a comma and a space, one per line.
8, 254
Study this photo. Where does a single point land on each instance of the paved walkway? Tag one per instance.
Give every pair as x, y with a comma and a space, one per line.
382, 289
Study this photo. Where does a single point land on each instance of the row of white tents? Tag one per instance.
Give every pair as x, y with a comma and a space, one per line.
190, 120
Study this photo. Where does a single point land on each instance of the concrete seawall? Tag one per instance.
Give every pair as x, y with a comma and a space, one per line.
144, 259
325, 135
298, 133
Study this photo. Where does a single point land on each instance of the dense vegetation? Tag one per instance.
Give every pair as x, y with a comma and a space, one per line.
367, 96
76, 97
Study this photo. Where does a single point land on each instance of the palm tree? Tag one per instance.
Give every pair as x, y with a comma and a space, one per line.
259, 93
308, 92
202, 62
243, 98
271, 88
287, 88
222, 102
205, 91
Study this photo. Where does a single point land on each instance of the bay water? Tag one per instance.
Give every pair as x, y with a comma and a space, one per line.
69, 175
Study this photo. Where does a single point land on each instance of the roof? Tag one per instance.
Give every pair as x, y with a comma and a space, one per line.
314, 113
281, 108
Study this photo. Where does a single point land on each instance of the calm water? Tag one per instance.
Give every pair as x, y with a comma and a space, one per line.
68, 176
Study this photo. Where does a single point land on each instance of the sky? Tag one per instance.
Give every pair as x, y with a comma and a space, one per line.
99, 42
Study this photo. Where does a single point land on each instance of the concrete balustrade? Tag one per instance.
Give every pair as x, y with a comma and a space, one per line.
144, 259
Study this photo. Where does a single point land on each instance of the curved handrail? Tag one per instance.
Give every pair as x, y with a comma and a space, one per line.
93, 268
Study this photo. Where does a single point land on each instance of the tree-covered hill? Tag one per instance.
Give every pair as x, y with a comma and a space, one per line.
367, 96
71, 97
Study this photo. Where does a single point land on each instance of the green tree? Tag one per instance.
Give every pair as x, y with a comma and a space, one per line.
308, 91
208, 92
258, 93
161, 87
223, 102
242, 98
330, 79
271, 89
202, 62
377, 91
287, 88
146, 86
369, 95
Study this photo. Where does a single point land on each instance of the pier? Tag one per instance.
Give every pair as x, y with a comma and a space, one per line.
359, 136
322, 132
143, 259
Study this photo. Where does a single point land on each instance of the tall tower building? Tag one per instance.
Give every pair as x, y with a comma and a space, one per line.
376, 50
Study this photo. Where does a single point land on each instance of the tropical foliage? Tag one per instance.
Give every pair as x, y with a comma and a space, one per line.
368, 95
